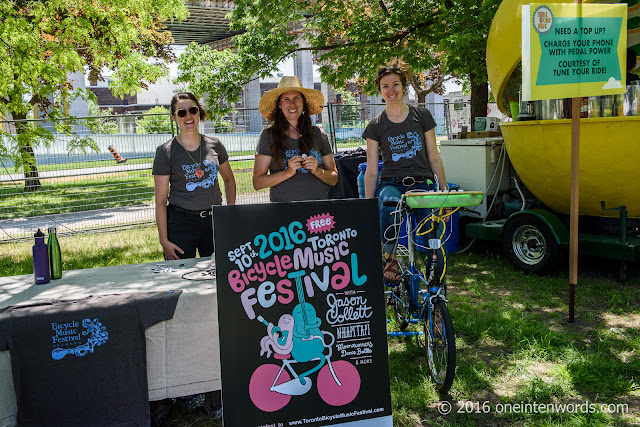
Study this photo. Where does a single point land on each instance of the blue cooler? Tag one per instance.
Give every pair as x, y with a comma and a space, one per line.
362, 167
453, 233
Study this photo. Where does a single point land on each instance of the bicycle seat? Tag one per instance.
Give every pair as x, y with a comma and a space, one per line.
282, 356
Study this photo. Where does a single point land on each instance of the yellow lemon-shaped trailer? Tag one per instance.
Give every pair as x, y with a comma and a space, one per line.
540, 150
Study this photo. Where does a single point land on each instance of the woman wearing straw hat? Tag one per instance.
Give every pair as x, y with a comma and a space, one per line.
293, 157
406, 136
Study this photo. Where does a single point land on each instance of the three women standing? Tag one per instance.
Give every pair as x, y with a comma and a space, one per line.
293, 157
185, 172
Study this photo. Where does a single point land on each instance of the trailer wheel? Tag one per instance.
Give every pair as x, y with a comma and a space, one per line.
530, 245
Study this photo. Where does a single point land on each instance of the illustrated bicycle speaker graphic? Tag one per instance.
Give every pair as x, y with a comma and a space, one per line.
271, 386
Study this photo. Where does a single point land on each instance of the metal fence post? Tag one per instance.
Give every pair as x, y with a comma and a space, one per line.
332, 127
447, 118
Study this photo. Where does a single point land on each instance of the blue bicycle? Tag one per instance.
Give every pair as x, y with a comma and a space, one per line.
421, 296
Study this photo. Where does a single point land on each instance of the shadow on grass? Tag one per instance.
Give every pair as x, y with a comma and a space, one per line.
515, 345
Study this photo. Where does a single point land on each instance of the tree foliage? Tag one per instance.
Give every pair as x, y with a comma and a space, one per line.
349, 109
42, 41
349, 38
97, 122
157, 120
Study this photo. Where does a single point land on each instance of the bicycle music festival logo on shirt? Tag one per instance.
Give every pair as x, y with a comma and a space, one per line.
68, 334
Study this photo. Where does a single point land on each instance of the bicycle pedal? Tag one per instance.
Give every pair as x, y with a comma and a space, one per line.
389, 295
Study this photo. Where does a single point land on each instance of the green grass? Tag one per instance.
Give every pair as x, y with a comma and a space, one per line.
85, 193
514, 343
78, 194
80, 251
515, 346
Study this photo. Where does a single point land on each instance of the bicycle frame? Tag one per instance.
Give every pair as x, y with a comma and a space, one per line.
435, 291
429, 305
299, 389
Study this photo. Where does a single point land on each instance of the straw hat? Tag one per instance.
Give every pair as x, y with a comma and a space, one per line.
315, 99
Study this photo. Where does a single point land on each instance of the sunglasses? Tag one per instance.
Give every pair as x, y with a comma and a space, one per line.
392, 69
192, 110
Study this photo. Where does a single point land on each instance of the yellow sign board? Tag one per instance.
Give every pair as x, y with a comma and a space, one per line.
573, 50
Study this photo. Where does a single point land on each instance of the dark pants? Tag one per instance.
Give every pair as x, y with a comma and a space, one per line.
190, 232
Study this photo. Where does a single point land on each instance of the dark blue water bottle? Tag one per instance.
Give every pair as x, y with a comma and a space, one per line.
40, 260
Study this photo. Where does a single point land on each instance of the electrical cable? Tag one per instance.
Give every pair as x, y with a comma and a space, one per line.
207, 273
524, 202
504, 160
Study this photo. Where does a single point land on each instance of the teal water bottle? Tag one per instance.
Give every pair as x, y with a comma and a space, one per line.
55, 257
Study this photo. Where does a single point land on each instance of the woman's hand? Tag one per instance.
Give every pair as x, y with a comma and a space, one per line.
310, 163
294, 164
170, 250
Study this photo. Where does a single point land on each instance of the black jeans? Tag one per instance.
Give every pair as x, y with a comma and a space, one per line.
190, 232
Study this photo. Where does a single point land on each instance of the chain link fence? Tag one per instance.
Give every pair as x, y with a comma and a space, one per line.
112, 187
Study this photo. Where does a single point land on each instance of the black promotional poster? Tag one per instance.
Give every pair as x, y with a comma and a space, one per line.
301, 314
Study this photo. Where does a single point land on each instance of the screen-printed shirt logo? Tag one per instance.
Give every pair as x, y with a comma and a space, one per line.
71, 338
194, 177
405, 146
292, 153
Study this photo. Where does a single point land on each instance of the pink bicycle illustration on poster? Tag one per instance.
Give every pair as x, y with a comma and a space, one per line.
298, 339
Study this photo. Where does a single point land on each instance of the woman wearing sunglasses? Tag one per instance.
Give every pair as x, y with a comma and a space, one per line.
406, 136
293, 157
185, 172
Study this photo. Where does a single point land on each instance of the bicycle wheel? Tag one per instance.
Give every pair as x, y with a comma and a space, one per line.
441, 346
260, 388
330, 391
401, 304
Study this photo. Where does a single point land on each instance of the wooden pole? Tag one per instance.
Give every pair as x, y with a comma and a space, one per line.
575, 201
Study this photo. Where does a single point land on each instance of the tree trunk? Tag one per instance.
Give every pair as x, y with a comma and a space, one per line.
479, 98
422, 96
31, 176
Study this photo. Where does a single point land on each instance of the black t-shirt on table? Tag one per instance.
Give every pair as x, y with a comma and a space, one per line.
83, 362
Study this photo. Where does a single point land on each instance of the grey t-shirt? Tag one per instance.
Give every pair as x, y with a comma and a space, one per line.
74, 362
186, 189
303, 185
403, 144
